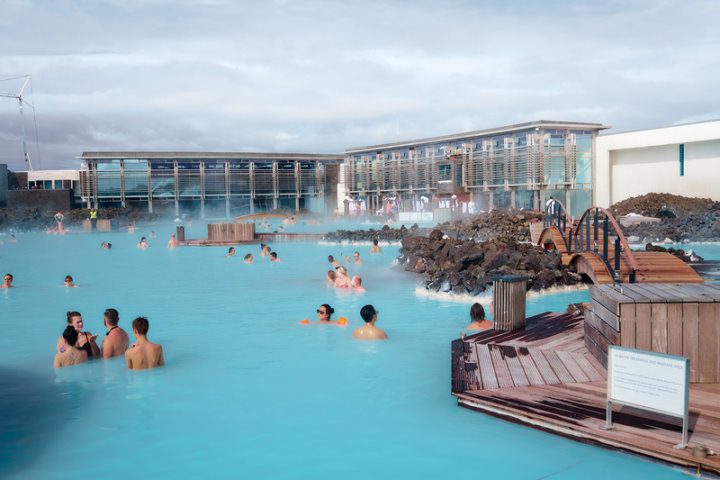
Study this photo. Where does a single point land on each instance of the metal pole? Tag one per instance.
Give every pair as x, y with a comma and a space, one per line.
227, 190
202, 189
605, 239
176, 188
149, 180
595, 228
617, 255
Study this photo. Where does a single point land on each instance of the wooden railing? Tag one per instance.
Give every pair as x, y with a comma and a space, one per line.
556, 216
586, 239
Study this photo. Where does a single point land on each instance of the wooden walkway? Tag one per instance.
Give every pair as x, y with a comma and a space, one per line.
544, 377
259, 238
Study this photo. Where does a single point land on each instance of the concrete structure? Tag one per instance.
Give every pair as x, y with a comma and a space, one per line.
512, 166
230, 182
681, 159
53, 179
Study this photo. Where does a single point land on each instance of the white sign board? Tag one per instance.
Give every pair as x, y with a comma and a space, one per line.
649, 380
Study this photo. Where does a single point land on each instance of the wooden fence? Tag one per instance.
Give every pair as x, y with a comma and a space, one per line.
677, 319
231, 232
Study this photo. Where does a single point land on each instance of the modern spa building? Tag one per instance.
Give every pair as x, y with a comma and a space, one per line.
512, 166
228, 184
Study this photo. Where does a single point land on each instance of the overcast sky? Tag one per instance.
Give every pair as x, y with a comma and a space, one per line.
317, 76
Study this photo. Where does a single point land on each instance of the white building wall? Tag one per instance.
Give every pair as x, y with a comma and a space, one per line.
635, 163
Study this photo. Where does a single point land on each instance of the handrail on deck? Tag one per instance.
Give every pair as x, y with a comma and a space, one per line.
556, 216
581, 236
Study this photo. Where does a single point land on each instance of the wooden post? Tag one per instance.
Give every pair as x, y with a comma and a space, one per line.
509, 302
180, 233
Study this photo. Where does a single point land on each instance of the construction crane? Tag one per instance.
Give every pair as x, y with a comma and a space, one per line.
26, 80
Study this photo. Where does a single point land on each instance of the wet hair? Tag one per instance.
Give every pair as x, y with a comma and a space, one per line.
9, 275
112, 316
328, 309
273, 254
367, 313
357, 279
331, 274
375, 241
143, 238
231, 249
248, 256
331, 258
262, 246
109, 245
68, 277
70, 316
356, 253
70, 335
141, 325
477, 313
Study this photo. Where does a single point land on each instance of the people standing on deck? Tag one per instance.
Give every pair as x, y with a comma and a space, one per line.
143, 243
173, 242
143, 354
93, 218
369, 331
116, 339
69, 282
477, 318
86, 340
375, 248
70, 355
231, 252
248, 258
7, 281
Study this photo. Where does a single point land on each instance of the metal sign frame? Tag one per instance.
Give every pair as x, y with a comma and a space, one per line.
686, 408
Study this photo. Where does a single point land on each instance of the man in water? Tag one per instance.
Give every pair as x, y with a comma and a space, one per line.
333, 262
274, 257
116, 339
71, 355
375, 248
263, 249
477, 318
369, 331
143, 243
69, 282
143, 354
231, 252
173, 242
7, 281
356, 258
248, 258
356, 283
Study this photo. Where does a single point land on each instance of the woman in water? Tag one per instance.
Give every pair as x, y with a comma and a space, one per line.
477, 318
231, 252
342, 280
248, 258
143, 243
85, 340
71, 355
324, 314
330, 278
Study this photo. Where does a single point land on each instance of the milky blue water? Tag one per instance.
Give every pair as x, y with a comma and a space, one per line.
247, 392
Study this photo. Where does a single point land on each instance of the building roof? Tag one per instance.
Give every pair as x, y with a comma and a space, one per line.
484, 133
211, 155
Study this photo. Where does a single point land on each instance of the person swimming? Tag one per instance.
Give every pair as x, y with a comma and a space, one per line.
173, 242
356, 284
477, 318
375, 248
86, 340
71, 355
324, 314
264, 250
248, 258
330, 277
143, 354
356, 258
333, 262
231, 252
116, 339
106, 245
143, 243
69, 282
7, 281
369, 331
274, 257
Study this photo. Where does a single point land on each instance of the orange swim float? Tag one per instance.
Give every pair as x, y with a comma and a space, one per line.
304, 321
342, 321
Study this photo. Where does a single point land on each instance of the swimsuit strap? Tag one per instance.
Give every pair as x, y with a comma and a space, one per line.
113, 328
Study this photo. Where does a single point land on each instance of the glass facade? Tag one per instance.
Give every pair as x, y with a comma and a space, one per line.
508, 167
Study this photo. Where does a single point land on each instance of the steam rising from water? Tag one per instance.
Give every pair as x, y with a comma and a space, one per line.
486, 297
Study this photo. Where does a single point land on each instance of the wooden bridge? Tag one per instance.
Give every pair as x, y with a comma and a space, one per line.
596, 247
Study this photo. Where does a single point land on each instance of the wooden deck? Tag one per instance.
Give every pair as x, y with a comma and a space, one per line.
543, 376
259, 238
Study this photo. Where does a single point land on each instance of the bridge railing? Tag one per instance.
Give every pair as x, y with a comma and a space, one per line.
586, 235
556, 216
